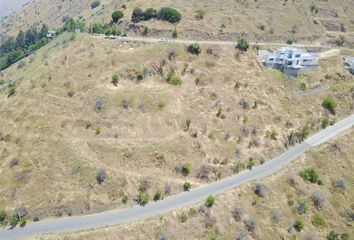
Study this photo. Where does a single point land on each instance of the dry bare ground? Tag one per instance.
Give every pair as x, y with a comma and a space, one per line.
67, 120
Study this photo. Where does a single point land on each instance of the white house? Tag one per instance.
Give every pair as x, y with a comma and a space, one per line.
291, 61
349, 62
51, 34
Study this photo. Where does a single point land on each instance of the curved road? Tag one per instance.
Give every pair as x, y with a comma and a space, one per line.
177, 201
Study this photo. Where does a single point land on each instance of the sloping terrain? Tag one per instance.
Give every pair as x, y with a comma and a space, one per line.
269, 20
66, 120
287, 197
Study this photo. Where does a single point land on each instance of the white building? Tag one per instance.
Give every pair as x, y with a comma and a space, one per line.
291, 61
349, 62
51, 34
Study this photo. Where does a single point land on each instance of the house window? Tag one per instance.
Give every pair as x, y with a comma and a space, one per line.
271, 59
289, 63
297, 55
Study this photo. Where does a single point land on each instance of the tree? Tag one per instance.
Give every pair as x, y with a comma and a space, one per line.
330, 104
210, 201
143, 198
311, 175
70, 25
30, 36
174, 33
186, 169
150, 13
158, 195
138, 15
115, 79
2, 216
20, 39
7, 46
187, 186
242, 44
194, 49
260, 190
169, 14
95, 4
11, 89
117, 15
299, 225
44, 31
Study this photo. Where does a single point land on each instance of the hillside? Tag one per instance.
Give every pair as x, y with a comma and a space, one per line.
269, 20
271, 216
66, 120
8, 7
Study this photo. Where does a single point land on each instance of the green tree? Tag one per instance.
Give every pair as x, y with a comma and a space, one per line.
311, 175
186, 169
115, 79
169, 14
143, 198
125, 199
242, 44
138, 15
187, 186
175, 33
330, 104
194, 49
2, 216
158, 195
299, 225
44, 30
117, 15
70, 25
20, 39
210, 201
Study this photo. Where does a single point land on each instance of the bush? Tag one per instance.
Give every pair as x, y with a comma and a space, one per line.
260, 190
325, 122
174, 33
318, 220
2, 216
125, 103
101, 176
143, 198
13, 221
251, 163
95, 4
187, 186
238, 214
161, 105
186, 169
251, 225
173, 79
98, 105
184, 217
330, 104
115, 79
125, 199
140, 75
318, 200
303, 86
169, 14
242, 44
210, 201
117, 15
299, 225
158, 195
272, 134
290, 41
277, 216
311, 175
138, 15
188, 123
11, 89
194, 49
340, 184
302, 207
98, 130
200, 14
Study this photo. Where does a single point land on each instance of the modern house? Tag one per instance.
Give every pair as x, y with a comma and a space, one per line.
51, 34
349, 63
291, 61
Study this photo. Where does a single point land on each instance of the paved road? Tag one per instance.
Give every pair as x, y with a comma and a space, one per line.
177, 201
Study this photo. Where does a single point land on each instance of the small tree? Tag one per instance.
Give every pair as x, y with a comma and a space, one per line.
330, 104
242, 44
11, 89
299, 225
311, 175
158, 195
169, 14
194, 49
115, 79
186, 169
187, 186
210, 201
125, 199
117, 15
174, 33
143, 198
318, 220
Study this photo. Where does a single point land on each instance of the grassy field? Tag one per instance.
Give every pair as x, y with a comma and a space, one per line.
268, 20
273, 214
66, 120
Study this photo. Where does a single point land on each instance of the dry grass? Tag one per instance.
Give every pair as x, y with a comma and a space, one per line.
282, 195
59, 157
268, 20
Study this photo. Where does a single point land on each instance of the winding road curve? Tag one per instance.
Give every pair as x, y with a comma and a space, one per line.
119, 216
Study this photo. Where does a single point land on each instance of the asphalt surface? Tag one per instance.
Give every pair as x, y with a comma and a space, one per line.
114, 217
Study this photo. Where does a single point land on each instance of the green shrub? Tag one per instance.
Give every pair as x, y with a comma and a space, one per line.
188, 123
169, 14
11, 89
299, 225
330, 104
140, 75
13, 221
98, 130
200, 14
95, 4
194, 49
22, 222
174, 33
237, 84
272, 134
340, 41
242, 44
125, 199
187, 186
158, 195
143, 198
325, 122
161, 105
251, 163
311, 175
186, 169
318, 220
184, 217
210, 201
115, 79
2, 216
303, 86
88, 124
290, 41
173, 79
116, 15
